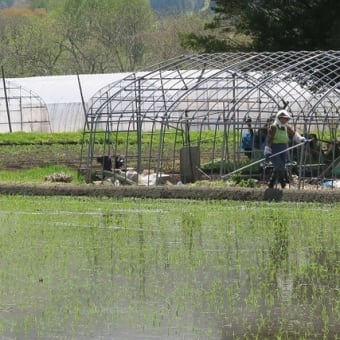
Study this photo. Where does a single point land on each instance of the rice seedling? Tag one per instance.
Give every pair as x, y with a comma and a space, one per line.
137, 268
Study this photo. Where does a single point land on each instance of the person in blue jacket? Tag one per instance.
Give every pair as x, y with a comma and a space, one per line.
278, 135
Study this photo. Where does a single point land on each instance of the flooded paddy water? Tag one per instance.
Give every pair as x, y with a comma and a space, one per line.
100, 268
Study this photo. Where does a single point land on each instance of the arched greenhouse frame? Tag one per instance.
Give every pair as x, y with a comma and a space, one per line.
21, 109
186, 119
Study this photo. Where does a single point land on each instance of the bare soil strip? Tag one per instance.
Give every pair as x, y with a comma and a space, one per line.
173, 192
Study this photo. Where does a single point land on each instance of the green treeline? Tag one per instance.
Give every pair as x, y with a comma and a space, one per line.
89, 36
179, 5
48, 37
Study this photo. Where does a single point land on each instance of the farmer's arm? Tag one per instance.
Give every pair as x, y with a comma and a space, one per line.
270, 135
295, 136
290, 131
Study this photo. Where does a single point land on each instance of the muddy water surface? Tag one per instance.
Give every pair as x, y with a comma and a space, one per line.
86, 268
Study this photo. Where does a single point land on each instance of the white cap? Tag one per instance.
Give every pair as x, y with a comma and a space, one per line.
283, 113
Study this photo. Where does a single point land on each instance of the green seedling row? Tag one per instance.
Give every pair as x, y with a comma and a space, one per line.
100, 268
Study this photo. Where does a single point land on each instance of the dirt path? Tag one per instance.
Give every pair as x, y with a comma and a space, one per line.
173, 192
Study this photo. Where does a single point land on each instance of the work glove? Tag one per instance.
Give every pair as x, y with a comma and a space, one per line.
267, 152
297, 138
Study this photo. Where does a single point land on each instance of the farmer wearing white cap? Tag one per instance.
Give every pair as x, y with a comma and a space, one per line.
278, 136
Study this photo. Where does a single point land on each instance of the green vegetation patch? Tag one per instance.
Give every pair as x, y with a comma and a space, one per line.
22, 138
181, 268
40, 175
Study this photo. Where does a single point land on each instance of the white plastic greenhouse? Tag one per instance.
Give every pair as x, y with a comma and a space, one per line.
50, 103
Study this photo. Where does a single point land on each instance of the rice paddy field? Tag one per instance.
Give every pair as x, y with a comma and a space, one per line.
104, 268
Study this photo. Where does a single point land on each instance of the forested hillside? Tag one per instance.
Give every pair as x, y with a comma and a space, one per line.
177, 5
49, 37
157, 5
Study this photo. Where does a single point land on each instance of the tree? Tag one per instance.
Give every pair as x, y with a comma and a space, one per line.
294, 25
163, 42
6, 3
90, 36
102, 35
32, 44
276, 24
176, 5
120, 26
220, 33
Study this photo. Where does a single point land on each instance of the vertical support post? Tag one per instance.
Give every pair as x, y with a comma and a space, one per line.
233, 118
224, 144
187, 129
139, 128
333, 123
90, 150
82, 101
6, 99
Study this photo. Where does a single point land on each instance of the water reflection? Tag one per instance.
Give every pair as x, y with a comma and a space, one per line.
142, 276
178, 272
191, 226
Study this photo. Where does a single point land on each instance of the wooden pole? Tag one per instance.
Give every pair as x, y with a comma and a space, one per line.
6, 99
82, 101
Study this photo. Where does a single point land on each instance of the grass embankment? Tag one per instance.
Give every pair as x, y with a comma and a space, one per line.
31, 157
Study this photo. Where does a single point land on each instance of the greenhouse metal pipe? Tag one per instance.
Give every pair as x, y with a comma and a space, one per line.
263, 159
139, 127
6, 99
82, 101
